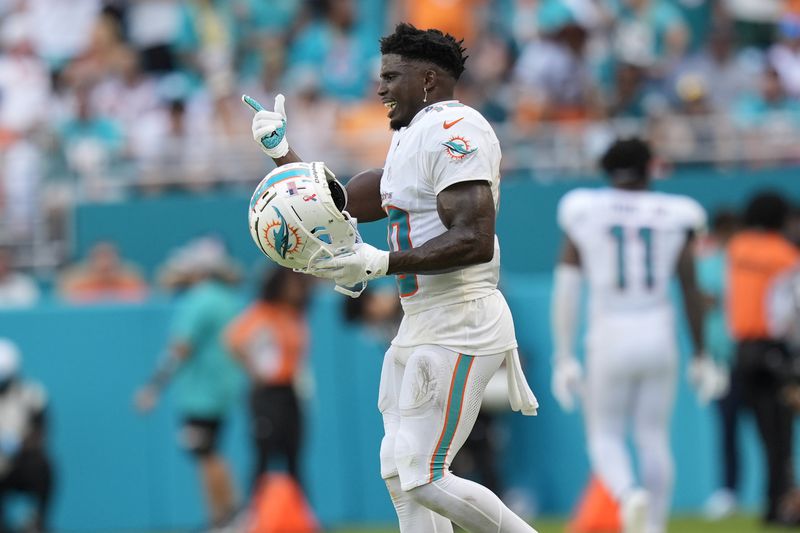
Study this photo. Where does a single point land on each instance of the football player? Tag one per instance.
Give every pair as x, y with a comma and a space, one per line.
627, 243
439, 192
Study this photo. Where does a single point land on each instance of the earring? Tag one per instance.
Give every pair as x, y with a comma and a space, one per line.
425, 100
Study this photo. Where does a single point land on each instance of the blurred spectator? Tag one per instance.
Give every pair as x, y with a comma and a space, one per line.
456, 17
21, 177
126, 96
16, 289
725, 72
25, 465
754, 20
62, 28
206, 42
102, 277
784, 56
266, 26
552, 74
270, 340
769, 119
24, 79
485, 85
699, 16
711, 276
339, 47
652, 29
208, 381
92, 143
153, 26
758, 256
173, 152
314, 116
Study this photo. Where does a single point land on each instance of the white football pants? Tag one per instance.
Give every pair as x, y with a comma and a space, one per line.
430, 398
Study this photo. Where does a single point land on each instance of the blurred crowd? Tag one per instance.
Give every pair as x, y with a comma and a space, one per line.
102, 99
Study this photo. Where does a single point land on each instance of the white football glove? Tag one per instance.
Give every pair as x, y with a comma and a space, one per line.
269, 127
567, 381
347, 270
709, 380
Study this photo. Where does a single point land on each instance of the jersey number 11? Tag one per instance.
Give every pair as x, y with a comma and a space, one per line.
645, 235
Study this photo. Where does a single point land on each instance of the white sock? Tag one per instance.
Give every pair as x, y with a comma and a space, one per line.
473, 507
413, 516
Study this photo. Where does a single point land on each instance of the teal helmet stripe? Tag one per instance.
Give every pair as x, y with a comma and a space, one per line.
277, 178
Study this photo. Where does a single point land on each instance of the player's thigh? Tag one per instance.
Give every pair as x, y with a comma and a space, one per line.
388, 404
439, 400
608, 394
654, 401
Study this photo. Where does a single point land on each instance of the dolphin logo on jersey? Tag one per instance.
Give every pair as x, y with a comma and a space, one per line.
458, 148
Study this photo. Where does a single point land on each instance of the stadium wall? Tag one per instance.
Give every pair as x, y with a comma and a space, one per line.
120, 471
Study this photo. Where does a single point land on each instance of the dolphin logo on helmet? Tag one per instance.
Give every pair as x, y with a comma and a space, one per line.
292, 231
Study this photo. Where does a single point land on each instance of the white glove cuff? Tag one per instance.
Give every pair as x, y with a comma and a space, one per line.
279, 151
379, 266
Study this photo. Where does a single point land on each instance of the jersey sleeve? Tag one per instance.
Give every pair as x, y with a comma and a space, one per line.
692, 216
572, 209
459, 150
190, 319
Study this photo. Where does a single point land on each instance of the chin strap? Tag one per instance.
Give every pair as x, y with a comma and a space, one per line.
352, 292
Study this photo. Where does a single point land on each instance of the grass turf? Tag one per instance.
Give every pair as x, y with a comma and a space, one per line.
738, 524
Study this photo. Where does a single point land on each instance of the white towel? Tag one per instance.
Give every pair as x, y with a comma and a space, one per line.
519, 393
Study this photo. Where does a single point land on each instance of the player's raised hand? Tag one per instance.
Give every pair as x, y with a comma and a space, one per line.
567, 382
269, 127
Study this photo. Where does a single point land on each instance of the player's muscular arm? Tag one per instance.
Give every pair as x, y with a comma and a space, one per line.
692, 297
290, 157
364, 196
569, 253
467, 211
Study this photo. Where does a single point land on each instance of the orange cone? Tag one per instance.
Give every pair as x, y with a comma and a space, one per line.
279, 506
597, 511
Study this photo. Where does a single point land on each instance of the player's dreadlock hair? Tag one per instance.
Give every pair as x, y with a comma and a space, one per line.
627, 160
441, 49
767, 210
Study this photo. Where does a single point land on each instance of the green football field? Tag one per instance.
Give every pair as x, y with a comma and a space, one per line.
677, 525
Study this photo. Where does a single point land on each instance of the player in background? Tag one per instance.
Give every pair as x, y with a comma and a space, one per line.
627, 242
439, 190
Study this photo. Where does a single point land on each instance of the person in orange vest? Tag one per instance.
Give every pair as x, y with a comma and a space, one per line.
270, 340
757, 257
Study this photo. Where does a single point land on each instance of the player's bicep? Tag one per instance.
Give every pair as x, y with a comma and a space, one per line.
364, 195
569, 253
468, 207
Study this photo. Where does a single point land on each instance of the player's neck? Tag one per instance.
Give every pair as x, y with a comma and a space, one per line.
634, 187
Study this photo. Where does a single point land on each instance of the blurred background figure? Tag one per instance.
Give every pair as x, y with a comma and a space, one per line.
25, 465
208, 381
17, 289
270, 340
628, 243
102, 277
712, 267
757, 257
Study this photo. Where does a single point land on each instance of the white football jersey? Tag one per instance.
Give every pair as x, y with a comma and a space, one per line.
445, 143
629, 243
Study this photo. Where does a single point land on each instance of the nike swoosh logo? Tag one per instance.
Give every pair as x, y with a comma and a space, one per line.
448, 125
